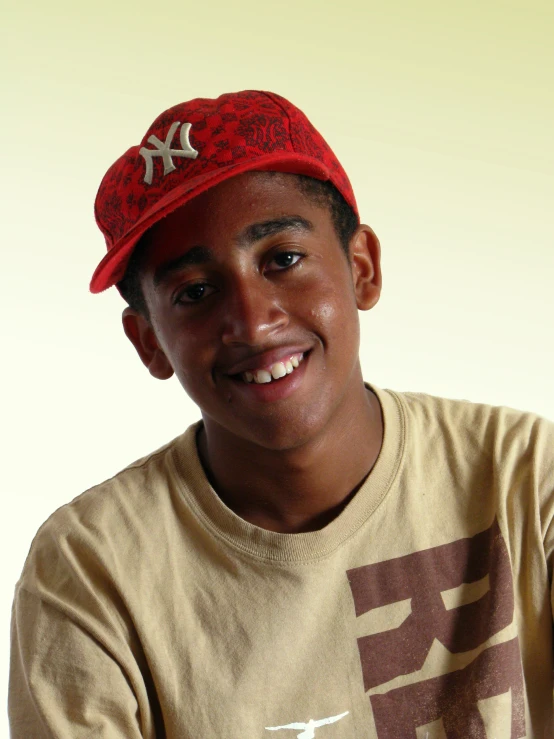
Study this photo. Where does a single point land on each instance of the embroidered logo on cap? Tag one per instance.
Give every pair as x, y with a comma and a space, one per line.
163, 150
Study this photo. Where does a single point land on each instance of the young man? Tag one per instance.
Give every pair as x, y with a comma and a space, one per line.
316, 557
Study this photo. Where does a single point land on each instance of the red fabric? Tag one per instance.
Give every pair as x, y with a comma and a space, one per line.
233, 133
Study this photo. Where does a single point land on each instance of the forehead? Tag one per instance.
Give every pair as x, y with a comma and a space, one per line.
232, 212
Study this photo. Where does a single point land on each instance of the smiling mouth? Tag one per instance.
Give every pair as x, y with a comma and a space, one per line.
273, 373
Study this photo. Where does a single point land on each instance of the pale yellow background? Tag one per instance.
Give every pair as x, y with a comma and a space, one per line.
442, 114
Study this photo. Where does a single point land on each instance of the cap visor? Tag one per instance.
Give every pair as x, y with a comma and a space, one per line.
112, 267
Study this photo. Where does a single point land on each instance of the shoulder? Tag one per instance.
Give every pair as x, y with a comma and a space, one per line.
487, 423
102, 527
508, 437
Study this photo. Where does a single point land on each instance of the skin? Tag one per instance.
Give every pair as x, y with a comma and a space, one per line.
292, 464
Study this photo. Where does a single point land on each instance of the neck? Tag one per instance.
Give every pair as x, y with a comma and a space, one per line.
300, 489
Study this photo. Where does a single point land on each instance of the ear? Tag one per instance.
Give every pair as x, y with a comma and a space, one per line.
141, 335
365, 262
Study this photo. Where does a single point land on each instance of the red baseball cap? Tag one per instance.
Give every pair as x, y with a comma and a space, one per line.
194, 146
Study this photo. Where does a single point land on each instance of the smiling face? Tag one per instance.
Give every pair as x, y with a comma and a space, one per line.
248, 283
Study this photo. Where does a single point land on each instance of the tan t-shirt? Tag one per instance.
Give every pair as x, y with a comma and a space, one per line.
146, 608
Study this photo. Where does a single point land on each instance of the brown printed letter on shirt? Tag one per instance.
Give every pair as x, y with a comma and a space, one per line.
422, 578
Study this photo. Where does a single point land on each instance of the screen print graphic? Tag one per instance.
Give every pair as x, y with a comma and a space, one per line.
456, 704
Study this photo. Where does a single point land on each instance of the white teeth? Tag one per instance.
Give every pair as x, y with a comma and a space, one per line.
262, 376
278, 370
275, 372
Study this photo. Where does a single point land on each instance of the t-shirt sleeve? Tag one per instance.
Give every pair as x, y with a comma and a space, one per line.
543, 477
64, 682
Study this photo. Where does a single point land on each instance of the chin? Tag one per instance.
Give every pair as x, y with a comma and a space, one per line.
276, 434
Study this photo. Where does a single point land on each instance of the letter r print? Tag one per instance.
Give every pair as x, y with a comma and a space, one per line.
425, 578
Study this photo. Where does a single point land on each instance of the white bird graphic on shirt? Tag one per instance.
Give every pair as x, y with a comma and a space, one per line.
310, 727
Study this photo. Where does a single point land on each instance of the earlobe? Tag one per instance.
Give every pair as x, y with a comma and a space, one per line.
365, 258
142, 337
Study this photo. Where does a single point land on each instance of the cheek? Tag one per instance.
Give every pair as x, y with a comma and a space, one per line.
178, 339
187, 353
336, 316
335, 303
325, 312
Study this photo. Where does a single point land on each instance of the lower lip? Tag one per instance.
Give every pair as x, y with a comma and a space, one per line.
269, 392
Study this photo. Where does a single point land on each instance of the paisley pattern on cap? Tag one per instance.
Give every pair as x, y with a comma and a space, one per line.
263, 132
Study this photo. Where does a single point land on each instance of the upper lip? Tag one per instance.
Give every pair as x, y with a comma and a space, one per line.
265, 359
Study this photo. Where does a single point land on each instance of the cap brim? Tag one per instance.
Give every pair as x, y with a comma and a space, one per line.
112, 267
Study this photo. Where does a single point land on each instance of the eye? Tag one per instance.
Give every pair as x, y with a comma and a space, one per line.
284, 259
193, 293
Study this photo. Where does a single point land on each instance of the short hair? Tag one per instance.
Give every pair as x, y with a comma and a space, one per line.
322, 193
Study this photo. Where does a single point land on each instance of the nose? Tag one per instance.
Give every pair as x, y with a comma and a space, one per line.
252, 312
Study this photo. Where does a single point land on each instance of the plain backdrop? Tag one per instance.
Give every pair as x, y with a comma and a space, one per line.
442, 114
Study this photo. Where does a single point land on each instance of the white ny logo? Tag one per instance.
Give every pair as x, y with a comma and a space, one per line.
162, 150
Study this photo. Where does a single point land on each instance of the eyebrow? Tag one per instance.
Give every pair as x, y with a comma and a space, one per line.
258, 231
248, 237
196, 255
